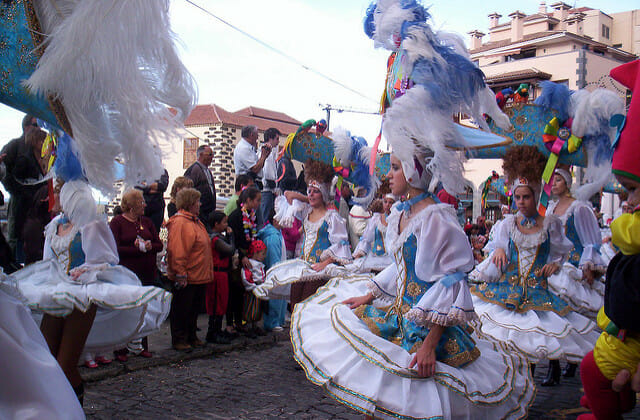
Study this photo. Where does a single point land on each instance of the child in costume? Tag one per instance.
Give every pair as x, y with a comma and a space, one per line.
371, 252
217, 293
252, 277
513, 299
617, 351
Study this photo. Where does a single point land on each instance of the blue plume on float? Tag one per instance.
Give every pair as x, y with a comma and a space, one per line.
360, 174
555, 96
369, 26
67, 165
599, 145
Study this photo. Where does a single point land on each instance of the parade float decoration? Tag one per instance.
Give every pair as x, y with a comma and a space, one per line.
103, 74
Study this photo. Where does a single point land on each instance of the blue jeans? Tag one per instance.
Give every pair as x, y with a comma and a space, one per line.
275, 316
266, 206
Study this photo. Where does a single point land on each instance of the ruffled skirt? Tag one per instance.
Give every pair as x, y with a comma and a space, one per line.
537, 334
126, 310
32, 385
370, 374
584, 298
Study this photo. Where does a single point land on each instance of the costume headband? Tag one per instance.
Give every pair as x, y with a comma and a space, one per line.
565, 175
523, 182
391, 196
323, 188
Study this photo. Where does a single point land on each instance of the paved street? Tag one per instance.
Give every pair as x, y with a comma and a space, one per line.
260, 382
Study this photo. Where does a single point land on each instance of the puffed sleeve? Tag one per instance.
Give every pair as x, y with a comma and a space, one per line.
443, 257
499, 235
590, 237
337, 229
368, 236
560, 244
98, 243
285, 212
383, 285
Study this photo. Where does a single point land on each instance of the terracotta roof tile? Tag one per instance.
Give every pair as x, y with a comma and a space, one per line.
211, 114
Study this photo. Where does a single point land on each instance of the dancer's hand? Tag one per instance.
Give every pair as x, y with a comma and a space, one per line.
354, 302
588, 275
319, 266
550, 269
499, 258
425, 360
358, 254
77, 272
246, 263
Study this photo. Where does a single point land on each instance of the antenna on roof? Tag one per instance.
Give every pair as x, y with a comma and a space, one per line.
328, 108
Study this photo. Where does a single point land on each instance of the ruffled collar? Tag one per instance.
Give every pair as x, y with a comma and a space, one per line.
318, 222
529, 240
395, 240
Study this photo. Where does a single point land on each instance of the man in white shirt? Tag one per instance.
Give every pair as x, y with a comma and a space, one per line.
269, 173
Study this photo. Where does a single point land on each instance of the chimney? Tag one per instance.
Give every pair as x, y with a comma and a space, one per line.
476, 39
560, 12
494, 20
517, 18
542, 8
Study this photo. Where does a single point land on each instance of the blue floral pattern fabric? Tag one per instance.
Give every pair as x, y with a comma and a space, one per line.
378, 247
322, 242
572, 234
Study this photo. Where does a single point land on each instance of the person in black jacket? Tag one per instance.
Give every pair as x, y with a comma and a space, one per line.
203, 181
153, 195
242, 222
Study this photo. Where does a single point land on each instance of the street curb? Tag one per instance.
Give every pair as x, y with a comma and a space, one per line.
169, 356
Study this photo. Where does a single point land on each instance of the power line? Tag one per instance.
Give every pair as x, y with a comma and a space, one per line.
280, 52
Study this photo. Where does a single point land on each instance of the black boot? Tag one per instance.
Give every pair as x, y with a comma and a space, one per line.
79, 390
533, 369
553, 374
569, 370
220, 338
211, 329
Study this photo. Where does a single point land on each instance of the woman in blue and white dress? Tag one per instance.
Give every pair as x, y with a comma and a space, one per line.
323, 247
513, 299
579, 282
87, 300
371, 252
402, 348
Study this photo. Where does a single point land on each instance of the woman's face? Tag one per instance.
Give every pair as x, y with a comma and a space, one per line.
315, 197
559, 186
633, 188
525, 201
253, 204
397, 181
387, 203
137, 207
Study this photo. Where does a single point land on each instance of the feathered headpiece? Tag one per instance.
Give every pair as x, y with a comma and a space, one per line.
353, 155
582, 124
430, 78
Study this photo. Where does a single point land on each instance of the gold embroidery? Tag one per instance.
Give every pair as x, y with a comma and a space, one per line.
413, 289
513, 280
538, 272
489, 294
405, 308
513, 296
531, 282
482, 287
415, 347
544, 284
575, 257
463, 358
451, 346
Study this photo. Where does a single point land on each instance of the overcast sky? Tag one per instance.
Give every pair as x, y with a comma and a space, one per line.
234, 71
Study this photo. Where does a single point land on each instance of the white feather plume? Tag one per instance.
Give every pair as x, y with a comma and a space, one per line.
594, 111
341, 138
114, 67
388, 19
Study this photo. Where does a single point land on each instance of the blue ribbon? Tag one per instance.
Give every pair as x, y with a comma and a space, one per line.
619, 121
451, 279
406, 205
530, 220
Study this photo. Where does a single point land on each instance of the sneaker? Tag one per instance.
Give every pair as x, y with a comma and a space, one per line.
102, 360
91, 364
277, 328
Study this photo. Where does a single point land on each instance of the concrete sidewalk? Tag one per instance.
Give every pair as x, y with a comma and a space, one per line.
164, 354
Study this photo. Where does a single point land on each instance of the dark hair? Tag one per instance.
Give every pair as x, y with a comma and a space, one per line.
117, 211
216, 217
242, 180
248, 193
248, 129
271, 133
26, 121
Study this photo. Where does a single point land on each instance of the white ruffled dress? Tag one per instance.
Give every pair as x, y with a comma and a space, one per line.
33, 385
373, 246
126, 309
361, 357
324, 238
519, 310
581, 228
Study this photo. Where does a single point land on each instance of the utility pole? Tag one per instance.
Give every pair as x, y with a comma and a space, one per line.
328, 108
